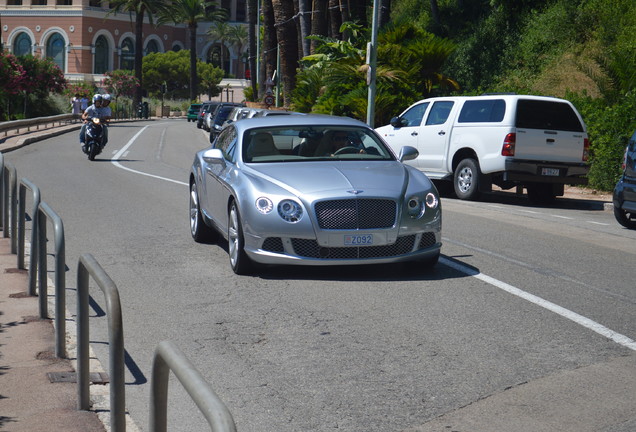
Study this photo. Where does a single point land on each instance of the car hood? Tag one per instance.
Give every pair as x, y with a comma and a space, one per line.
320, 179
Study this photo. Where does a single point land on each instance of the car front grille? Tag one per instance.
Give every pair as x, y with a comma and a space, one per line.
356, 214
403, 245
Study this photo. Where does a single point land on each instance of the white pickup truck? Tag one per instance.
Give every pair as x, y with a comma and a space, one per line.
535, 142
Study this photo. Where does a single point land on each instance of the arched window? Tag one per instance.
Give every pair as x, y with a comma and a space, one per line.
176, 47
101, 55
22, 45
127, 60
214, 57
55, 50
152, 47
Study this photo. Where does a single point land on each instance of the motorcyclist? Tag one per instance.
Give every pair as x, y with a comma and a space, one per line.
95, 110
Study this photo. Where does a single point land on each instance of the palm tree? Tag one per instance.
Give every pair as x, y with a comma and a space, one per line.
252, 19
238, 37
288, 43
190, 13
140, 8
219, 32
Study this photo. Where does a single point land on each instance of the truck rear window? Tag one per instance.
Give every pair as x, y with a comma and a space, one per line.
538, 114
483, 111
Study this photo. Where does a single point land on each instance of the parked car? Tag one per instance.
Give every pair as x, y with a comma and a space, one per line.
206, 107
625, 191
535, 142
219, 116
347, 199
237, 113
193, 112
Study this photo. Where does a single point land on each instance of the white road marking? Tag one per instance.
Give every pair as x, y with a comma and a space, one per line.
565, 313
125, 150
597, 223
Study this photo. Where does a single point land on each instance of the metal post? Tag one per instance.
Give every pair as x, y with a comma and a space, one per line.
24, 185
60, 277
88, 265
372, 58
168, 357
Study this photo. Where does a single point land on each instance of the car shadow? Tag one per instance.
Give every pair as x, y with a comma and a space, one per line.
522, 200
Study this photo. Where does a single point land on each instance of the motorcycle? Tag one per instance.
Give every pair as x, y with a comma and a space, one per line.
94, 137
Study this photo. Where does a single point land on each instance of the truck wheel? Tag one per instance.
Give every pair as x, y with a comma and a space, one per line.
466, 179
541, 193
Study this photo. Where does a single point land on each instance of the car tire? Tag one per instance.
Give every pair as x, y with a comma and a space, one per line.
466, 179
201, 232
239, 261
625, 218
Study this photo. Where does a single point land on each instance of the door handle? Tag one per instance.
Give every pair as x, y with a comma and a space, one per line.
441, 133
413, 133
550, 141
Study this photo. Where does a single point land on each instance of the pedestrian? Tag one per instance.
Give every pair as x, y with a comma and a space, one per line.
76, 104
84, 103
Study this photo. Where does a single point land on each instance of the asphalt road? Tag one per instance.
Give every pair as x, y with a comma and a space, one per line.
527, 323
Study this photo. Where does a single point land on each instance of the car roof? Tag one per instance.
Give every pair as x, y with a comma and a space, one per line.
297, 119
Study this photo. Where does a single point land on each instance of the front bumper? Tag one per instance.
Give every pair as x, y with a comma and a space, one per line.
298, 251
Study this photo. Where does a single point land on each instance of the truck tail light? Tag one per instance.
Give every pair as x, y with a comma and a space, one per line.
586, 149
624, 164
508, 148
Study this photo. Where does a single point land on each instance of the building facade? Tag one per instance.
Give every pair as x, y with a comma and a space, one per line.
85, 38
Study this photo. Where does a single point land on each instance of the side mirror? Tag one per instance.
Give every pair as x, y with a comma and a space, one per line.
408, 153
396, 122
214, 156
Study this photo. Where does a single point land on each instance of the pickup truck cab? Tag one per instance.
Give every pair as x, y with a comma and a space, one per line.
535, 142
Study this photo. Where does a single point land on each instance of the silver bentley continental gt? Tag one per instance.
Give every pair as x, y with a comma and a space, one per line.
312, 190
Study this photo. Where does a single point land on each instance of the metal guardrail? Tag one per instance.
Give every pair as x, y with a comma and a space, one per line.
27, 124
88, 266
44, 212
168, 357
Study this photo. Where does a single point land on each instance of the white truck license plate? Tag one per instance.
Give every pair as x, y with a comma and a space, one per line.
550, 172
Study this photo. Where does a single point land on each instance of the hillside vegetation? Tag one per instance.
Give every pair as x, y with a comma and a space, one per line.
582, 50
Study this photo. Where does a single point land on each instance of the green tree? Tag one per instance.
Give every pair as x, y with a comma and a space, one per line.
140, 9
409, 68
173, 68
191, 13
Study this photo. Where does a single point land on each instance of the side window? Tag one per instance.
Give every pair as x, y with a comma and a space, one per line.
226, 142
413, 117
483, 111
439, 113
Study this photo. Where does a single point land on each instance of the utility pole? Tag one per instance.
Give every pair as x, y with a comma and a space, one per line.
372, 54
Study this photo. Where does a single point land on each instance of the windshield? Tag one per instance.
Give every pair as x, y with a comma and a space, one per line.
311, 143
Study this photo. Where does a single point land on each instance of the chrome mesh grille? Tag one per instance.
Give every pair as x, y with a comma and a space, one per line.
311, 249
356, 214
427, 240
273, 244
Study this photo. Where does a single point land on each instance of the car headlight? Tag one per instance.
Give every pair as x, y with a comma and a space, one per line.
264, 205
431, 200
290, 210
415, 207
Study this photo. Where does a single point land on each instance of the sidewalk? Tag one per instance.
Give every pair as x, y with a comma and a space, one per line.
29, 401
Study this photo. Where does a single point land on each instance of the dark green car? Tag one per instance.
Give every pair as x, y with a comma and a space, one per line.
193, 111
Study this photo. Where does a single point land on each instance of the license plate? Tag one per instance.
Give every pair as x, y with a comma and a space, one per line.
358, 240
550, 172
